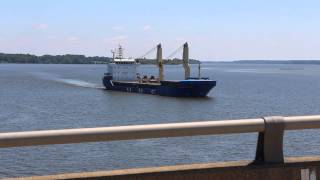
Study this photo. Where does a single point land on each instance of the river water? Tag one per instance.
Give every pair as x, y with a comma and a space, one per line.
41, 97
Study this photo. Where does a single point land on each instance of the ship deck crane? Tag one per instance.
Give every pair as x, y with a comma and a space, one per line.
185, 59
158, 48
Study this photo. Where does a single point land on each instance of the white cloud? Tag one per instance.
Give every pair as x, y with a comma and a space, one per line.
52, 37
116, 39
121, 39
73, 39
117, 28
146, 28
41, 26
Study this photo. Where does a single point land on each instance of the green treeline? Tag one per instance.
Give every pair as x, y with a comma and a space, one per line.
73, 59
49, 59
167, 61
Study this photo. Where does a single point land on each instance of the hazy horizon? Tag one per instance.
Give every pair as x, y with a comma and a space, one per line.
216, 30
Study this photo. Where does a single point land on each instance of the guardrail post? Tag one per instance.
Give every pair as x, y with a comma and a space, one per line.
270, 142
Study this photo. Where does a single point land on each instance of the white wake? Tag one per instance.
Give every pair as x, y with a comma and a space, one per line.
79, 83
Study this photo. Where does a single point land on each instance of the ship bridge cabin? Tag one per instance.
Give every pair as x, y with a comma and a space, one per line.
123, 69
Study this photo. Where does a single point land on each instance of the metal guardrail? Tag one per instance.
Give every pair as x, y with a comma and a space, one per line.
269, 146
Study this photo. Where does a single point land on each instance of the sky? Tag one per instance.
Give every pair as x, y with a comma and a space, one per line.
217, 30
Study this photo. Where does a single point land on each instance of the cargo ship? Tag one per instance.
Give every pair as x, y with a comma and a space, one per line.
122, 76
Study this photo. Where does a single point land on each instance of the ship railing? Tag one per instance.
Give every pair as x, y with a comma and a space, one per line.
269, 144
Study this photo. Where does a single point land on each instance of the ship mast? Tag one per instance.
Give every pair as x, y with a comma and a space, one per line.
120, 52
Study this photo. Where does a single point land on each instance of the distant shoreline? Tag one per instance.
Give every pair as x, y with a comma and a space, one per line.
297, 62
81, 59
73, 59
50, 59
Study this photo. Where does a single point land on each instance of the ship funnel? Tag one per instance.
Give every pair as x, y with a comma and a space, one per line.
186, 61
160, 62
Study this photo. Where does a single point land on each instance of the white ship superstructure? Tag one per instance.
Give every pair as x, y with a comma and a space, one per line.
122, 69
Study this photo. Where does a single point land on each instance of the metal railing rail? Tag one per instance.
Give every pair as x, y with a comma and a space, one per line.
269, 146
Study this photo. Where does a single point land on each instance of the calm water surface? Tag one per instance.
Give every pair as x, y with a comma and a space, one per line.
41, 97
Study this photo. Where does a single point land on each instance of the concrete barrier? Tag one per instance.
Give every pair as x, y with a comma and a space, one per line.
268, 164
298, 168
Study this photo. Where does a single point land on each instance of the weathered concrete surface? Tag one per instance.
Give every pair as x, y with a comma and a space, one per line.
305, 168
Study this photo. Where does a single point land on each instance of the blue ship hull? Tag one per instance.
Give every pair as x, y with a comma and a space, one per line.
183, 88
